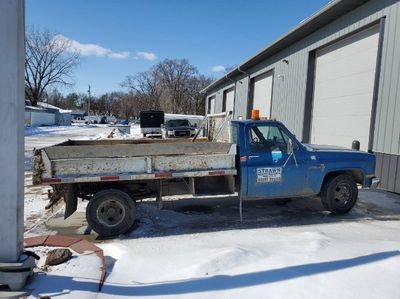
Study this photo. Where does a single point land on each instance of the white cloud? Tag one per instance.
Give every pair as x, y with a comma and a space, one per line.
218, 69
119, 55
146, 56
90, 49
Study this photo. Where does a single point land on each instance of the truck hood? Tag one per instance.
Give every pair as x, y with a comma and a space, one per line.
337, 157
179, 128
322, 147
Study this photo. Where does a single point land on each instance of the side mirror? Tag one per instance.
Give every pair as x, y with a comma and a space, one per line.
290, 147
195, 125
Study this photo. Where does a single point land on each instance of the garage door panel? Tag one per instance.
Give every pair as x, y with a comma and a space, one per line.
343, 90
339, 125
351, 46
346, 106
349, 83
333, 70
336, 131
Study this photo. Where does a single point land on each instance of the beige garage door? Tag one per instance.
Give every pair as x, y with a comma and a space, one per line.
343, 90
229, 98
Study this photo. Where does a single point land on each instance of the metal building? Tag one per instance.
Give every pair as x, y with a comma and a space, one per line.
333, 79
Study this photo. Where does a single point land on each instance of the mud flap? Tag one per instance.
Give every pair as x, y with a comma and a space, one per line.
70, 199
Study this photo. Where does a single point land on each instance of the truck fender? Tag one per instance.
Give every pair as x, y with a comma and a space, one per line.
70, 199
356, 173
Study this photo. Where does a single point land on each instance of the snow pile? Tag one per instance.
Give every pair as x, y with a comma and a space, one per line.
45, 131
318, 261
117, 133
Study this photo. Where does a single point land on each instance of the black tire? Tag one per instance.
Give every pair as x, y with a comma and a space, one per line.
339, 194
111, 212
144, 134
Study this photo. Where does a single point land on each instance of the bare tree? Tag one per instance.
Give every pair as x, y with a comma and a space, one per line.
146, 87
196, 98
47, 63
175, 75
172, 85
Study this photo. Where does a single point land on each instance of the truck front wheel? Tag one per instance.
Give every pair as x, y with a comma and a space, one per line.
339, 194
111, 212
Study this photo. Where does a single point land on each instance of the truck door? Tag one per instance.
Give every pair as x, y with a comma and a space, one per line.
271, 170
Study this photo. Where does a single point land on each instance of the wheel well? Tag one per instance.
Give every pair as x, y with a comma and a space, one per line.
134, 190
356, 174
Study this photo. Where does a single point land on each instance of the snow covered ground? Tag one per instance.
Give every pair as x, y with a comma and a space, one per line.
197, 247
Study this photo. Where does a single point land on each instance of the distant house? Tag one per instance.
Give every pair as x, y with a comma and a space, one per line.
78, 114
46, 115
36, 116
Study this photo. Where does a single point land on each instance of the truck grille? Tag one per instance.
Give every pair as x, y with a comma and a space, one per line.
182, 133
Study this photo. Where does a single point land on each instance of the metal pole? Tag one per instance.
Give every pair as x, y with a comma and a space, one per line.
88, 106
15, 266
240, 208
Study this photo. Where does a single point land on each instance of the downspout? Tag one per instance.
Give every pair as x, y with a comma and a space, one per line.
248, 90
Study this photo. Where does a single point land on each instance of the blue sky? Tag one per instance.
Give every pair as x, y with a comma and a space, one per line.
122, 37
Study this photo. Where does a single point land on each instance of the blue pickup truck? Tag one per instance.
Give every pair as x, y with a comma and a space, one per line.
262, 160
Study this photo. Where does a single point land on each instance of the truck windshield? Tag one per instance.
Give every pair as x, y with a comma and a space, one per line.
173, 123
264, 138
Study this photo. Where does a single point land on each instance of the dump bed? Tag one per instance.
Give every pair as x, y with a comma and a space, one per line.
124, 160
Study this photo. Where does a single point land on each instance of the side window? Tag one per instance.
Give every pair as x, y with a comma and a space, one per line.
264, 138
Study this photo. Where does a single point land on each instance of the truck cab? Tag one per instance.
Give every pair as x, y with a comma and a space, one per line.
272, 163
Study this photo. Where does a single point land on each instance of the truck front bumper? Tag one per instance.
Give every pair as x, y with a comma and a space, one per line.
374, 183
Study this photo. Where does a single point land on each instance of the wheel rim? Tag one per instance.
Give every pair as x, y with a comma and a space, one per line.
343, 194
110, 213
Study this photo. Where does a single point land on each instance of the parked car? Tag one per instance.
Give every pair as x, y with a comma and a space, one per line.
178, 128
263, 160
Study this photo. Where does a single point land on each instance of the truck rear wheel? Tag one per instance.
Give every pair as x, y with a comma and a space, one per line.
339, 194
111, 212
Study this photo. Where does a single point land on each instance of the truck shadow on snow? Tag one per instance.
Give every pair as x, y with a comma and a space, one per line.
60, 285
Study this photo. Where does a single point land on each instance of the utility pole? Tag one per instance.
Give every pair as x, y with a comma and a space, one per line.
88, 106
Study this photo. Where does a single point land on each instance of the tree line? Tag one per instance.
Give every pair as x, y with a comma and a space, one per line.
172, 85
